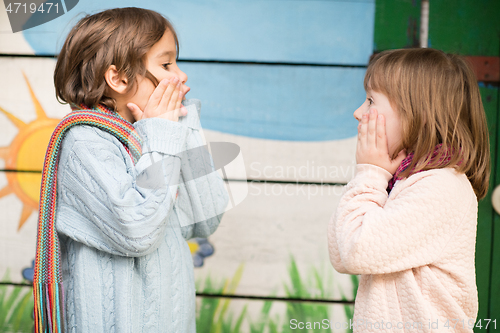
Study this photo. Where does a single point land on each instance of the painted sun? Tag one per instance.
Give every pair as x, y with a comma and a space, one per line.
24, 157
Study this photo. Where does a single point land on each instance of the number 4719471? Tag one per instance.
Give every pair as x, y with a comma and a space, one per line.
44, 7
454, 323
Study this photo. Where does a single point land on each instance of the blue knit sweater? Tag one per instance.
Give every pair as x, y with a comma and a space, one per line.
123, 227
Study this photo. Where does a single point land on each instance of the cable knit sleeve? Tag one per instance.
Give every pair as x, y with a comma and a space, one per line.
106, 202
373, 234
202, 196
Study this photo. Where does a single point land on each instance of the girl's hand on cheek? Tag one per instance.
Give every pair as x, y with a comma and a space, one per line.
164, 102
372, 145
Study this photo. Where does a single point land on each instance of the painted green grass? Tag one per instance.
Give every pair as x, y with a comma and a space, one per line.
349, 309
311, 287
215, 315
16, 307
263, 320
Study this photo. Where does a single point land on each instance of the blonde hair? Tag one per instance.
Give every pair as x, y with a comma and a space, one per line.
438, 100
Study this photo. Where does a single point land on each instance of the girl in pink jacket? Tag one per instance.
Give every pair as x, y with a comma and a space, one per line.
407, 220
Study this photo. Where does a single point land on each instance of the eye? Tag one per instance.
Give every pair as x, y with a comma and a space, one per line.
370, 101
165, 66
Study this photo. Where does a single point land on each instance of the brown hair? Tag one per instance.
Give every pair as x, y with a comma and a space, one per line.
120, 37
437, 97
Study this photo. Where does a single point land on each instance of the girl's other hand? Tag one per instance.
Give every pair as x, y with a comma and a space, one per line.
164, 102
372, 145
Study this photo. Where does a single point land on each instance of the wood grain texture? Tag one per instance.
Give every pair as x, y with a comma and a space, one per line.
326, 32
276, 225
293, 124
295, 162
289, 103
18, 237
281, 244
397, 24
275, 316
265, 158
473, 29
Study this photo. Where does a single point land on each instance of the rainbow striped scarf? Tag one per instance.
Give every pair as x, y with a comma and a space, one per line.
47, 281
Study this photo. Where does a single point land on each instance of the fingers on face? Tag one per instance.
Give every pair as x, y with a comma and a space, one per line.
174, 96
372, 127
363, 125
167, 95
381, 135
158, 93
178, 105
363, 130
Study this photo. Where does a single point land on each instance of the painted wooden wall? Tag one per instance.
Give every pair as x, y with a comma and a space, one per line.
469, 28
280, 79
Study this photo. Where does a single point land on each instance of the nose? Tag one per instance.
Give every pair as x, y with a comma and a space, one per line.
182, 76
358, 114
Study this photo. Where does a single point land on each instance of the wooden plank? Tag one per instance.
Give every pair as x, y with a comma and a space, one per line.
278, 234
473, 30
18, 223
494, 305
28, 112
326, 32
272, 316
470, 29
281, 245
285, 161
242, 315
397, 24
487, 69
486, 215
327, 157
290, 103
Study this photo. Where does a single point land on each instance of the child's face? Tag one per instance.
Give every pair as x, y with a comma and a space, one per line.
393, 126
161, 62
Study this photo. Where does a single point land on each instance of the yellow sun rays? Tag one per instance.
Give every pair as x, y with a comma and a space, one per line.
4, 152
40, 113
16, 121
24, 157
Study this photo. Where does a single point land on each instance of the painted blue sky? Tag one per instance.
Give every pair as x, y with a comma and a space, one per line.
277, 102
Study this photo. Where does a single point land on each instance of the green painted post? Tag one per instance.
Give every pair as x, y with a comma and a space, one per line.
468, 28
472, 28
397, 24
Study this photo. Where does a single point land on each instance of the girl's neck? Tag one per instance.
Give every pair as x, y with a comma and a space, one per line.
124, 111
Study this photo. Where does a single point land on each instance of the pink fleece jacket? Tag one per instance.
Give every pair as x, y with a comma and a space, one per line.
414, 250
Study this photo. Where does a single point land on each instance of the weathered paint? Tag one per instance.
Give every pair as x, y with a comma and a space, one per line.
474, 30
471, 29
300, 128
284, 160
331, 32
289, 103
397, 24
465, 27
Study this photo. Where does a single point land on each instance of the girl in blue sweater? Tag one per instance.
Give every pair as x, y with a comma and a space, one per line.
125, 203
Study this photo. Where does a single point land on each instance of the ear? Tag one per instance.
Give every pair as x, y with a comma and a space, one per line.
115, 81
